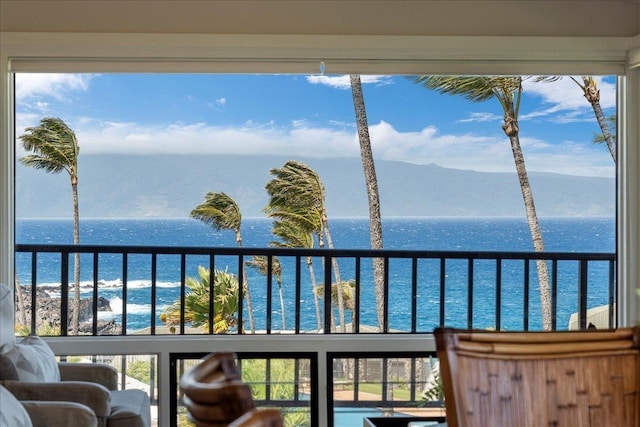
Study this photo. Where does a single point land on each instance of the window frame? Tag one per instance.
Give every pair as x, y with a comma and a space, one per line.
199, 53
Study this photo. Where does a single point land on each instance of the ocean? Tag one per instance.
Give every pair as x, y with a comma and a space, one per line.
407, 233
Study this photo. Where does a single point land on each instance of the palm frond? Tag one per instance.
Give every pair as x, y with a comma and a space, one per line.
197, 302
53, 145
477, 88
260, 263
219, 211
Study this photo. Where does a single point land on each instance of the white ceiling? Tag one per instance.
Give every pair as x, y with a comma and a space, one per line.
327, 17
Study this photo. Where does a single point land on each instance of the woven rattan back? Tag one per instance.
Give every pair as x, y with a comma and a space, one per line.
540, 379
215, 396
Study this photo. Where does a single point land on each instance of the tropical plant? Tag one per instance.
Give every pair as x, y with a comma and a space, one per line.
296, 192
348, 294
44, 330
140, 370
55, 149
281, 378
508, 91
293, 417
371, 181
592, 95
221, 212
198, 301
293, 234
260, 263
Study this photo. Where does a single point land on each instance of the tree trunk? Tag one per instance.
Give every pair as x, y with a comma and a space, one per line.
75, 320
336, 271
316, 298
371, 181
534, 226
592, 94
284, 320
247, 293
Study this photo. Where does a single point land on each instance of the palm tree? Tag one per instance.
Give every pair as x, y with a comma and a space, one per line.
371, 181
592, 95
55, 149
196, 302
348, 294
295, 190
508, 91
222, 213
293, 234
260, 263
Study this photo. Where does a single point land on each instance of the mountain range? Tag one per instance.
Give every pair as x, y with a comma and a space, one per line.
113, 185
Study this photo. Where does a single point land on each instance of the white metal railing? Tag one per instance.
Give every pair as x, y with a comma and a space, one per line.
162, 346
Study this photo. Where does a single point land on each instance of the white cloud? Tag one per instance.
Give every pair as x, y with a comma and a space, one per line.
460, 151
481, 117
55, 85
565, 95
343, 81
476, 151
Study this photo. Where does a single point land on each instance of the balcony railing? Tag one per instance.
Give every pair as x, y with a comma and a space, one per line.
421, 290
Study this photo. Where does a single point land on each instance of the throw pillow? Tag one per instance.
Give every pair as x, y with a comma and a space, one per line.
32, 361
12, 413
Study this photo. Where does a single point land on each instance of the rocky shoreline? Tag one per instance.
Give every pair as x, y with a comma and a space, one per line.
48, 312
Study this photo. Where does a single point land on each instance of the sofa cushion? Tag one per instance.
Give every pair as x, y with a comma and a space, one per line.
129, 408
31, 360
12, 413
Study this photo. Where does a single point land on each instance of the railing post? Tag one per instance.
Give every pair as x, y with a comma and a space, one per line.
498, 293
554, 294
525, 310
154, 280
470, 293
125, 281
34, 280
582, 294
327, 294
64, 295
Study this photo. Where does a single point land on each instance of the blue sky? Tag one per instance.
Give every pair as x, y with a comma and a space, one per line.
312, 115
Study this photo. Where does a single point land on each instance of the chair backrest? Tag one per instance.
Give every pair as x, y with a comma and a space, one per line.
532, 379
215, 396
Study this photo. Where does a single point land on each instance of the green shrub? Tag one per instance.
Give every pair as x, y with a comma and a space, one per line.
140, 370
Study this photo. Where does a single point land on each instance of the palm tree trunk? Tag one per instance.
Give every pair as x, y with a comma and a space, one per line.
316, 298
592, 94
284, 321
606, 133
75, 321
336, 271
534, 228
321, 245
371, 181
247, 293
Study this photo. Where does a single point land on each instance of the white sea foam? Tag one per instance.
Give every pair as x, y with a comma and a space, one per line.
87, 286
107, 315
136, 284
132, 309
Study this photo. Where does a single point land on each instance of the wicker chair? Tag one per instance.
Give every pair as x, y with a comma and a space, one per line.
533, 379
215, 396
